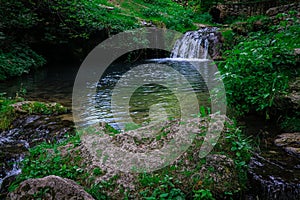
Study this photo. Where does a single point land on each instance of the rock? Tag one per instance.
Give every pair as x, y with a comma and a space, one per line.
295, 85
295, 99
281, 9
294, 96
290, 142
272, 11
289, 103
221, 170
50, 187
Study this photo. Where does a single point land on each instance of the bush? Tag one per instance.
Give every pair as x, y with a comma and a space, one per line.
18, 59
257, 69
25, 24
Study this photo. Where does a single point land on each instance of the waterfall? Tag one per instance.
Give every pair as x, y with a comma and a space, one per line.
197, 44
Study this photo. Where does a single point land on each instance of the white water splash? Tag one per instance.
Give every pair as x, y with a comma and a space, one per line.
193, 45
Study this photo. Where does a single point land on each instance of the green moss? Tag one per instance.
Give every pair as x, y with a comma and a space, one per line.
44, 108
7, 112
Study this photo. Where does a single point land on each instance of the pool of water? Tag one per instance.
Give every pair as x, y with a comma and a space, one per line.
55, 84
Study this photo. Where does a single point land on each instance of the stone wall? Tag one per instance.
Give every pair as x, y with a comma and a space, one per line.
244, 8
283, 9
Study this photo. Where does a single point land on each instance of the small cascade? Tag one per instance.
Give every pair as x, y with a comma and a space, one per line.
198, 44
275, 175
273, 172
27, 131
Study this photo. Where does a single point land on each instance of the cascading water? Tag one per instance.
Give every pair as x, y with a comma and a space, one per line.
273, 173
197, 44
25, 132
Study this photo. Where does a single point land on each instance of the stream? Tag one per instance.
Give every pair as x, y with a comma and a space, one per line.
273, 173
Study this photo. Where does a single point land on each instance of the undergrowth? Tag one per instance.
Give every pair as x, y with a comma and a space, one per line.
258, 68
66, 160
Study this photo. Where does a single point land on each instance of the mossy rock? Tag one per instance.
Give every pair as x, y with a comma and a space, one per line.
36, 107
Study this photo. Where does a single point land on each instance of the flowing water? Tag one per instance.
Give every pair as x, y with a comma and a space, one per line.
273, 173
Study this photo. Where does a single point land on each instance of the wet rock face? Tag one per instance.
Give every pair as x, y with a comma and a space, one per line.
290, 142
38, 128
295, 92
289, 104
272, 172
50, 187
275, 171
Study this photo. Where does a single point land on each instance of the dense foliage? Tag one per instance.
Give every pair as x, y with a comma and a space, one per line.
7, 112
258, 68
27, 28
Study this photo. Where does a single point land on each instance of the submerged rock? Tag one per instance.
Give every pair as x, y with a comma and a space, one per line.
50, 187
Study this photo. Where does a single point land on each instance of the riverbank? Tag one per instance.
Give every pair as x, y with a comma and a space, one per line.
187, 177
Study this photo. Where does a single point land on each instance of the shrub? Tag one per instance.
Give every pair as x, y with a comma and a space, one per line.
7, 112
256, 70
18, 59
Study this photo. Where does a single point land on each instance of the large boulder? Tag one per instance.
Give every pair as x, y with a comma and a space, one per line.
50, 187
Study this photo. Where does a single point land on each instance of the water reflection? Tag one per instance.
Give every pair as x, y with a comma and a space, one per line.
148, 98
